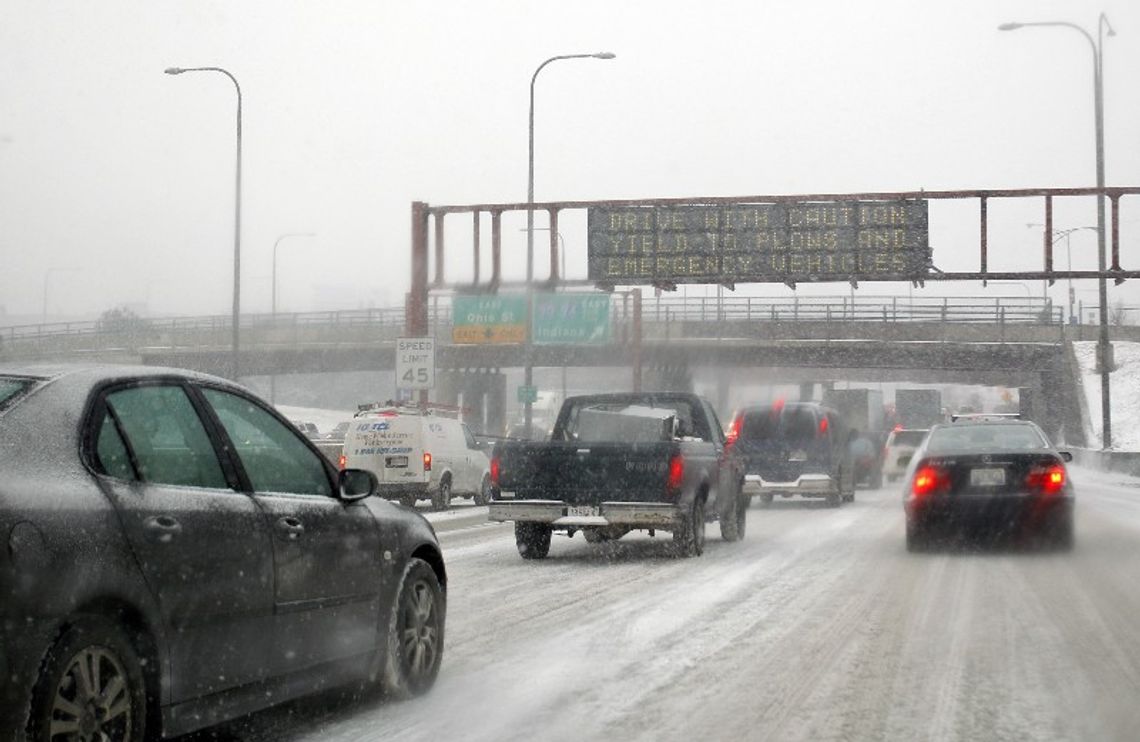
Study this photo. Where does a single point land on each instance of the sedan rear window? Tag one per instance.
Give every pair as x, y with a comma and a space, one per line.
983, 438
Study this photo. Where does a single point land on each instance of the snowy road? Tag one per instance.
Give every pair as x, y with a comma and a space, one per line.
819, 626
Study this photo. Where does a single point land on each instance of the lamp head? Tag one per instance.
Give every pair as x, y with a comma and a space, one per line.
1009, 26
174, 70
604, 55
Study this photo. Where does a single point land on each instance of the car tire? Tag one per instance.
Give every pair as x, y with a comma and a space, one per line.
1063, 531
766, 498
441, 498
408, 501
834, 499
732, 524
415, 633
689, 538
483, 496
916, 538
533, 539
65, 679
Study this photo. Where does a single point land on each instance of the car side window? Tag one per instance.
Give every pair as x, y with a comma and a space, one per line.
112, 452
272, 453
169, 441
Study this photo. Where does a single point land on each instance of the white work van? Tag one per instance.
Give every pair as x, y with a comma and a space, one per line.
417, 454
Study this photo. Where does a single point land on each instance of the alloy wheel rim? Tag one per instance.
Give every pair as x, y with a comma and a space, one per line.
92, 700
420, 637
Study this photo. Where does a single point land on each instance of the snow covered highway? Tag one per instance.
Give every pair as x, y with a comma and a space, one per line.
817, 626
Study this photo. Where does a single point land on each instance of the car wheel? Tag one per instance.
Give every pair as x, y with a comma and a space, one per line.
834, 499
689, 538
408, 501
533, 539
916, 539
1063, 531
766, 498
483, 496
415, 633
441, 500
732, 524
90, 687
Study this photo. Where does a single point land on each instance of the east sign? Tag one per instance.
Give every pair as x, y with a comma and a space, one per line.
785, 242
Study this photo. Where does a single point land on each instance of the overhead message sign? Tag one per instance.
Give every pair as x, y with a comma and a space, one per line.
488, 319
571, 318
744, 243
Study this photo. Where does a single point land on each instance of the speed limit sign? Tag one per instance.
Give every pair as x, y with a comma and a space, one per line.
415, 363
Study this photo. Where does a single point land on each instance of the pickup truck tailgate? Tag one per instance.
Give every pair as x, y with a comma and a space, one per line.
585, 474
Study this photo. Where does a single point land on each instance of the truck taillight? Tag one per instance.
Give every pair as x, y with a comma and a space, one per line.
676, 472
427, 461
495, 471
342, 462
734, 430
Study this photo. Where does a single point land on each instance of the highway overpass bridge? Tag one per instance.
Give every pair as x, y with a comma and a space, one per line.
1004, 342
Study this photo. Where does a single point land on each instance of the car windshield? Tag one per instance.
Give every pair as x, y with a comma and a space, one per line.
965, 437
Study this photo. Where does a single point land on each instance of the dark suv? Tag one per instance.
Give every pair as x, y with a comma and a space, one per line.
794, 448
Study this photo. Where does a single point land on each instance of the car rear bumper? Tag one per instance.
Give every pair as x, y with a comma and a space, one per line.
556, 513
1001, 512
805, 485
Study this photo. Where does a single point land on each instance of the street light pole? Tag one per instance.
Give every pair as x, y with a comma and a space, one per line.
528, 349
235, 367
1056, 237
1104, 352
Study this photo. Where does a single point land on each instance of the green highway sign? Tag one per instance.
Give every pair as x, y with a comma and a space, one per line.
527, 394
488, 319
571, 318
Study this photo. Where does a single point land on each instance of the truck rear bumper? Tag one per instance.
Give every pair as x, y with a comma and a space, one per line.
558, 513
807, 485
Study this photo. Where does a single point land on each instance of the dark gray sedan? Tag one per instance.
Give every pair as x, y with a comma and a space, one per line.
174, 553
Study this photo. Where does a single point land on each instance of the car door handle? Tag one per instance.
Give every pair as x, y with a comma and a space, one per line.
290, 528
161, 528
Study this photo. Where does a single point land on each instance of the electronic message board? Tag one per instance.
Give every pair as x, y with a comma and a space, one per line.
742, 243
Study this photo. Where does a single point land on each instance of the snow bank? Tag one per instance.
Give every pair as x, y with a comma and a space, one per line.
1125, 394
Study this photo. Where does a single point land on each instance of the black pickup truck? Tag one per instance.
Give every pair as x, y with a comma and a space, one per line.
617, 463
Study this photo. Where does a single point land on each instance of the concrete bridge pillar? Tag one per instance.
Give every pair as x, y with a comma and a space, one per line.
481, 392
807, 391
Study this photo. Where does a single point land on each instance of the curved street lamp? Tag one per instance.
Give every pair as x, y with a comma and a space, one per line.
1097, 47
237, 211
528, 348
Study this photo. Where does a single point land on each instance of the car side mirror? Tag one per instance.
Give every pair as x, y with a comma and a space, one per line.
1066, 456
356, 484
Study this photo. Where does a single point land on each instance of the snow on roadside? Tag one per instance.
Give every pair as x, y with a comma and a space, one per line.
1125, 394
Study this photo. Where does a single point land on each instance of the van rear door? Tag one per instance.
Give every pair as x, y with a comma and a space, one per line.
389, 446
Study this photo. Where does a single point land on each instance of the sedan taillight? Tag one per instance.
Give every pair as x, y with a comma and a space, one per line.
1047, 479
929, 480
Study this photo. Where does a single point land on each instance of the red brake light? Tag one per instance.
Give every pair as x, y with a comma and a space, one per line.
427, 461
1048, 479
495, 471
823, 425
928, 480
734, 431
342, 462
676, 472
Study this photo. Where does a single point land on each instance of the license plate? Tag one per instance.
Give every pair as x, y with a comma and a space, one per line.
396, 462
582, 511
987, 477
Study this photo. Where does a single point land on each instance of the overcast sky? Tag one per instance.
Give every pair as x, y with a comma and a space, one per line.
116, 181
